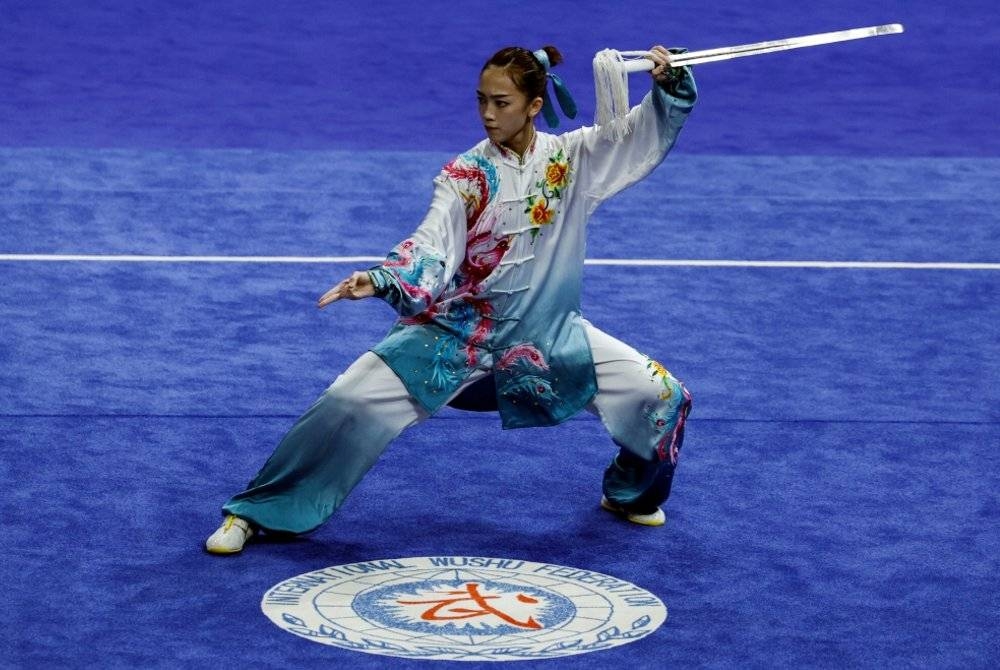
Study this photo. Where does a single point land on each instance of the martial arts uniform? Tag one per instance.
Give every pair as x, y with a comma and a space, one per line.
488, 293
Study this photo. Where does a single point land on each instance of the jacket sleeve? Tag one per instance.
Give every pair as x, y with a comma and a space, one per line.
607, 167
419, 268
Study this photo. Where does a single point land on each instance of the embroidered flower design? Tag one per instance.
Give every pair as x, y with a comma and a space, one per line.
664, 376
557, 174
539, 212
541, 208
657, 368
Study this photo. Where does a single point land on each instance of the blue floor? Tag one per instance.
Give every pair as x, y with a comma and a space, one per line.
836, 504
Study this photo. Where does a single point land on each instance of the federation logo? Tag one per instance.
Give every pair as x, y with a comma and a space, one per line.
463, 608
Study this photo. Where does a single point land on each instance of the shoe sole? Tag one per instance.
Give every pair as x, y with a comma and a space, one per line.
220, 551
640, 519
223, 549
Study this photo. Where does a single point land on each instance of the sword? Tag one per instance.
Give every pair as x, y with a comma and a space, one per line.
643, 64
611, 67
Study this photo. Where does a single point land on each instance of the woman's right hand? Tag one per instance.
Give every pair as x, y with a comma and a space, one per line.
662, 71
358, 285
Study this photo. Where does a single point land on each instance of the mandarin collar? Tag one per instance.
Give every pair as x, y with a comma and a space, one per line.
510, 156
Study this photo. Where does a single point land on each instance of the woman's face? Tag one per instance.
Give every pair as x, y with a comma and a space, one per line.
505, 111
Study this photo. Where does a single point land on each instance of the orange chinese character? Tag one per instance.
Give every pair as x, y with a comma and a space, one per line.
446, 609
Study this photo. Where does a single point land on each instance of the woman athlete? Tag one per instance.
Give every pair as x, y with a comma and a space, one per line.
488, 294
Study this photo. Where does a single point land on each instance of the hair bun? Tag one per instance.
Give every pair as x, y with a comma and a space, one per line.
555, 57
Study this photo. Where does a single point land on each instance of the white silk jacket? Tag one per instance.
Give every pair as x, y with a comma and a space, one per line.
492, 276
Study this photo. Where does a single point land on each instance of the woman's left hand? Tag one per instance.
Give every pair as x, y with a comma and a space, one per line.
358, 285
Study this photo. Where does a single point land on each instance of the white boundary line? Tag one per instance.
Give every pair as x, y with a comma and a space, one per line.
128, 258
835, 265
619, 262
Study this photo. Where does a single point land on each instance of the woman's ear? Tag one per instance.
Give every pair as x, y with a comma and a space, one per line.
535, 107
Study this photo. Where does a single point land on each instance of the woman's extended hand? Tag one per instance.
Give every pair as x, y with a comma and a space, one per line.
662, 72
358, 285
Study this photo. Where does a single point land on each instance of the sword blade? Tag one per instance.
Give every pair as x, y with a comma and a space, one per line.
757, 48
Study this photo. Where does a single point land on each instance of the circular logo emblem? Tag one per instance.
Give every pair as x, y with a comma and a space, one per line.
463, 608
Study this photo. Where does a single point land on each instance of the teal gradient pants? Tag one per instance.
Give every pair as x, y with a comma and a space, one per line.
331, 447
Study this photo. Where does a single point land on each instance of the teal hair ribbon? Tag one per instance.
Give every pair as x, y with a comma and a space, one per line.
566, 102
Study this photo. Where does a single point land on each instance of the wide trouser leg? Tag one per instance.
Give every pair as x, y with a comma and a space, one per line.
329, 449
644, 409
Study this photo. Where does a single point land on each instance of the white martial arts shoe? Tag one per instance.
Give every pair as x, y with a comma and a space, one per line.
657, 518
230, 537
